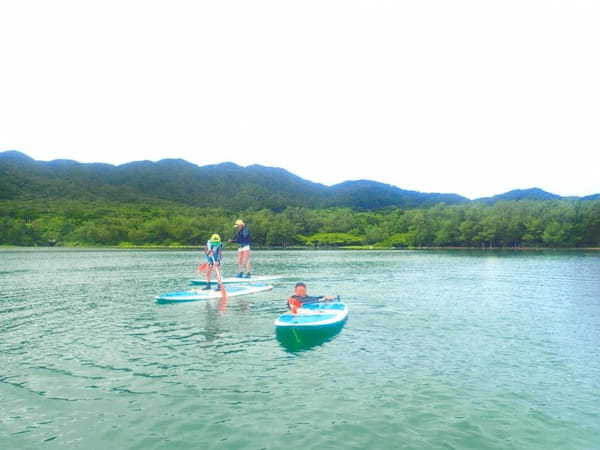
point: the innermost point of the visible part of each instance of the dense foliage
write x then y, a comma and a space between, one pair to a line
552, 223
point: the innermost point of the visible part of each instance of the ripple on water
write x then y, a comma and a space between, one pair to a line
441, 350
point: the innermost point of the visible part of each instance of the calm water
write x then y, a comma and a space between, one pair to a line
441, 350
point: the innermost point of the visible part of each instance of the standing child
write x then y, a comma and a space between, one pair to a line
214, 252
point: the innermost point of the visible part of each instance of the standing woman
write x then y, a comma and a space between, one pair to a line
242, 237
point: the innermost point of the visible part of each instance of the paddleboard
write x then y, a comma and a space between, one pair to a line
314, 315
193, 295
236, 280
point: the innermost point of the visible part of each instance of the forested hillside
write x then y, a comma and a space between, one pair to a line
554, 223
173, 202
225, 185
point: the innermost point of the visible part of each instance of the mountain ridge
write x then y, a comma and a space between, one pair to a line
226, 184
533, 193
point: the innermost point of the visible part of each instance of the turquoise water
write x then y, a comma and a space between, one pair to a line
441, 350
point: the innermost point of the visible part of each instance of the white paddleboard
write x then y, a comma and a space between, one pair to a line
193, 295
236, 280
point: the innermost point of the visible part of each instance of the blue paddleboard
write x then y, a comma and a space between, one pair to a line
314, 315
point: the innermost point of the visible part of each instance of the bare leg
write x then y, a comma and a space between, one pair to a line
218, 272
208, 275
247, 262
240, 261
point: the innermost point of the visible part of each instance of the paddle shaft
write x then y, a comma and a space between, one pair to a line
219, 279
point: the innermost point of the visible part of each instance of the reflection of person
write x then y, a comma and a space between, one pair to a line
301, 297
242, 237
214, 253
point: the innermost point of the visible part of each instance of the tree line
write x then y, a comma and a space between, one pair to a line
552, 223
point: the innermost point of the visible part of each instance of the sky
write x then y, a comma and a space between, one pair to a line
472, 97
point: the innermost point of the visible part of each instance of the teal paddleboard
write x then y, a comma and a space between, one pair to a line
314, 315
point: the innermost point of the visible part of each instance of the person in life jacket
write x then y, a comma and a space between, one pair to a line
242, 237
301, 297
214, 253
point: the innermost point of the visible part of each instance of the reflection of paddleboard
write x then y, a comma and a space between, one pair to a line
236, 280
193, 295
313, 316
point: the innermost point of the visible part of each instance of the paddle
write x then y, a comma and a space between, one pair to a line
202, 268
220, 281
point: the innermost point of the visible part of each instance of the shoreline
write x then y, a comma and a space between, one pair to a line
301, 248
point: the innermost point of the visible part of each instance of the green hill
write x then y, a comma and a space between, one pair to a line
224, 185
520, 194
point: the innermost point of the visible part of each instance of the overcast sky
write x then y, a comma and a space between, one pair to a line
473, 97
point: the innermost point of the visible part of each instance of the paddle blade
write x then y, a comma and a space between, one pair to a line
203, 268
